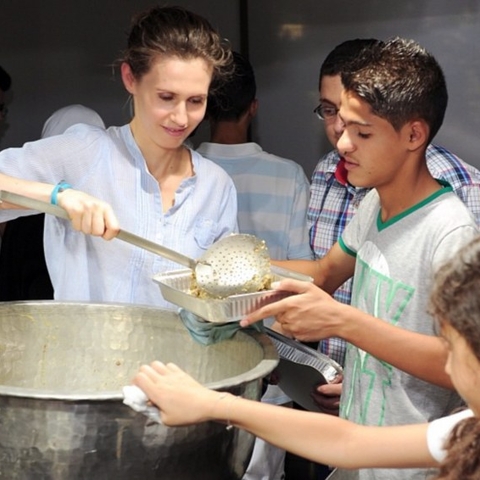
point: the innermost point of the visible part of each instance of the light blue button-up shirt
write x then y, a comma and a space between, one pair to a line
109, 165
273, 194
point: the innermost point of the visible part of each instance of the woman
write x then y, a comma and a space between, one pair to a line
158, 188
453, 443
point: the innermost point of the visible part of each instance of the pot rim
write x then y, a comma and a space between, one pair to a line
263, 368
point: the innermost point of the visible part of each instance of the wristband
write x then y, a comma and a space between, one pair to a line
58, 188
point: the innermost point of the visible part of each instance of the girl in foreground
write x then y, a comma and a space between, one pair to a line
452, 443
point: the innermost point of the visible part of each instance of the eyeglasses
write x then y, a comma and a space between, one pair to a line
3, 110
326, 112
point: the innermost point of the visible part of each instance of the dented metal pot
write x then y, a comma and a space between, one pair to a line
62, 367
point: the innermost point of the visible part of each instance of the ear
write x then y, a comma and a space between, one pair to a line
417, 132
128, 78
253, 108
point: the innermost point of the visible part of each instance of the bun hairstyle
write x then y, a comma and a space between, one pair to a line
174, 32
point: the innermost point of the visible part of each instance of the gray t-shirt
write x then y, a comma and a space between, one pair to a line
395, 263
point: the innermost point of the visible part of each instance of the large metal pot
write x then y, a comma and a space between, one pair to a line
62, 366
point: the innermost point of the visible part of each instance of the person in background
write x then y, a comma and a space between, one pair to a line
5, 84
450, 443
273, 196
273, 192
23, 271
334, 200
392, 105
139, 175
63, 118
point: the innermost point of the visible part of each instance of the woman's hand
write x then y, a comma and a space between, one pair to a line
89, 214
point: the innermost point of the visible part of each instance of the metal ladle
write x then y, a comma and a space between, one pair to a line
235, 264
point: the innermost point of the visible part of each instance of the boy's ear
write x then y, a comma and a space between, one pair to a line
418, 132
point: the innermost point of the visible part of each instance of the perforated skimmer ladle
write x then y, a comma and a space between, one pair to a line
234, 265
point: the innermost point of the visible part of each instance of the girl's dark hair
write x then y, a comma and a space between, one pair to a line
174, 32
455, 301
463, 457
455, 298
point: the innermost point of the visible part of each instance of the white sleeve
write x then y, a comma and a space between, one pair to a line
439, 431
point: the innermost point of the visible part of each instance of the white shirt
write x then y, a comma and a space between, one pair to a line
439, 430
273, 194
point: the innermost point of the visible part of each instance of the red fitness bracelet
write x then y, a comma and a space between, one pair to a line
59, 188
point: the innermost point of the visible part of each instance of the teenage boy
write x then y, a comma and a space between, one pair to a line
392, 105
334, 200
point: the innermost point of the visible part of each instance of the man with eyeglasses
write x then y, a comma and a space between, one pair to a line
5, 83
334, 201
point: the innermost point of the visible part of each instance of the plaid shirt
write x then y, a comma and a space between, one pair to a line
332, 205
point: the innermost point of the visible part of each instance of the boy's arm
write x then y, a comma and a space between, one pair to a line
329, 272
313, 314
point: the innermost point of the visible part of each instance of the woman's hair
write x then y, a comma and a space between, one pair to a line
174, 32
455, 301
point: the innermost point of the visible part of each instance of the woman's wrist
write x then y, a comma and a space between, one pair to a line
60, 187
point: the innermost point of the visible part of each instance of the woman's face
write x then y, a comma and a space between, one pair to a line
463, 367
169, 101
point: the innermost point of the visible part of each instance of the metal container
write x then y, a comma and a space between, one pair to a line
176, 288
302, 369
62, 367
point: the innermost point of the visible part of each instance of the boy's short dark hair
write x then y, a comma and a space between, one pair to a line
5, 80
400, 81
231, 98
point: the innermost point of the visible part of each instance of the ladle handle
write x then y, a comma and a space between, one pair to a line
156, 248
128, 237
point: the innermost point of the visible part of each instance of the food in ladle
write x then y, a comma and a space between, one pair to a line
235, 265
196, 291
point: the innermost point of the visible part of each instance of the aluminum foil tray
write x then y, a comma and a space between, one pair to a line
175, 288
